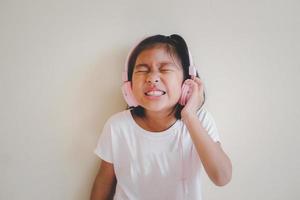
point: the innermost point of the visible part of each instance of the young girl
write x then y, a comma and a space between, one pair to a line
156, 149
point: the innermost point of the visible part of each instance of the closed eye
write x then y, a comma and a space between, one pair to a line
167, 68
141, 68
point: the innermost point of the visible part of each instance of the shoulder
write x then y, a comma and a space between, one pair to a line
205, 116
208, 123
202, 113
119, 119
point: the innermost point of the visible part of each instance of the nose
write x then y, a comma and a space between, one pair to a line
153, 78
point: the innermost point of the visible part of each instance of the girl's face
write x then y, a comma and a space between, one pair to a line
156, 80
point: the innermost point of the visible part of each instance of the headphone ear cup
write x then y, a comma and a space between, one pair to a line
128, 95
185, 94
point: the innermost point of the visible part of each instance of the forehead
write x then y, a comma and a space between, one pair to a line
158, 53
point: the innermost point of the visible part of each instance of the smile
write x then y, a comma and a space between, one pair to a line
155, 93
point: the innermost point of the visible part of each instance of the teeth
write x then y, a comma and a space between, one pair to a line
155, 93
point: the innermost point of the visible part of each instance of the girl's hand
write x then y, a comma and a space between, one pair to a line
196, 99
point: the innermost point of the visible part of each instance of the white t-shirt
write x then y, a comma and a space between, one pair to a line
153, 165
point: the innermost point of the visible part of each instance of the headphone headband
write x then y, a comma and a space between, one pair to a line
125, 72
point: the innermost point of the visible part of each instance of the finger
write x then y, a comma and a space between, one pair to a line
198, 81
191, 83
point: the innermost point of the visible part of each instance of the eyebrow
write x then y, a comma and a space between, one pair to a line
141, 65
162, 64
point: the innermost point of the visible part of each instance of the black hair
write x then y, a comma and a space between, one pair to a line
175, 45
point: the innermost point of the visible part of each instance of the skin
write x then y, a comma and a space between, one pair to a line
215, 161
156, 69
105, 182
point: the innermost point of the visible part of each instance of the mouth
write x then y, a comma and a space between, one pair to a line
155, 93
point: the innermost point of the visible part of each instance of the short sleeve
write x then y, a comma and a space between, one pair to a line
209, 124
104, 145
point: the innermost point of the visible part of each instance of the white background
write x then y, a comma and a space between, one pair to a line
60, 78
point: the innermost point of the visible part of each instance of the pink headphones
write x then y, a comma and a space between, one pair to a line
127, 90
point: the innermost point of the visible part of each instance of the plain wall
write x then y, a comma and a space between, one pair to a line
60, 78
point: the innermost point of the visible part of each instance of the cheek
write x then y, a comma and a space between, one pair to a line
177, 80
136, 83
175, 84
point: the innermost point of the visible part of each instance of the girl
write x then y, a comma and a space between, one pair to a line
156, 149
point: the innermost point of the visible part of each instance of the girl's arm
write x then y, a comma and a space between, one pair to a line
216, 163
105, 182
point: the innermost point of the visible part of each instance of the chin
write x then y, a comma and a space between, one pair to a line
158, 108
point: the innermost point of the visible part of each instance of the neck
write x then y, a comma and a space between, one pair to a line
156, 121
